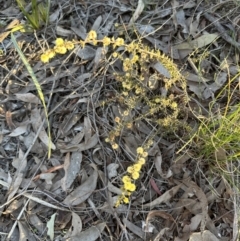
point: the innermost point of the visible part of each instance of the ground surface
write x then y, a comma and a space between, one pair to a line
71, 195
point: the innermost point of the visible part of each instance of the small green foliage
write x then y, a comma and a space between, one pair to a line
217, 138
39, 14
139, 100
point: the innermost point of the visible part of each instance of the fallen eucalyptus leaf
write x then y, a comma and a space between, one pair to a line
50, 226
81, 193
90, 234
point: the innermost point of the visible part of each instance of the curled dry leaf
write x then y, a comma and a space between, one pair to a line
76, 227
90, 234
138, 11
162, 214
158, 164
195, 221
112, 170
81, 193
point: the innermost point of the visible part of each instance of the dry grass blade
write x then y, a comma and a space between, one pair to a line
37, 85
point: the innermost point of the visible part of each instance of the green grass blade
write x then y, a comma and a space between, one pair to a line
30, 18
37, 85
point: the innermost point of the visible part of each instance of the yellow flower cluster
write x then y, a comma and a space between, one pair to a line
133, 173
61, 47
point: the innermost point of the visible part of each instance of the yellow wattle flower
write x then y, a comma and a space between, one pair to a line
59, 41
44, 58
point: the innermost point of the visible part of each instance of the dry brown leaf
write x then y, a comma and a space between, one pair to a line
71, 167
135, 229
212, 195
90, 144
24, 232
218, 83
47, 177
69, 122
205, 235
195, 221
86, 53
29, 98
100, 55
90, 234
20, 164
55, 15
80, 31
164, 198
18, 131
189, 4
63, 32
199, 42
110, 186
76, 227
14, 206
36, 121
161, 233
154, 186
156, 213
179, 19
81, 193
178, 164
195, 78
87, 129
194, 26
162, 70
112, 170
203, 201
40, 201
97, 23
36, 222
50, 226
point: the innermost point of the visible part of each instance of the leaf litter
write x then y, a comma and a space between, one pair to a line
67, 198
